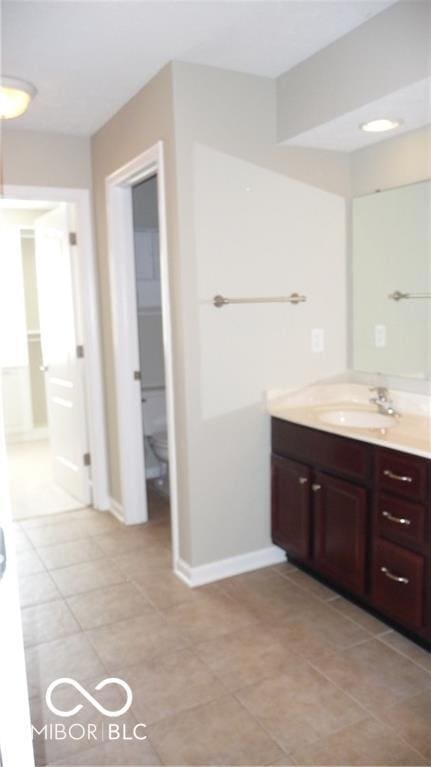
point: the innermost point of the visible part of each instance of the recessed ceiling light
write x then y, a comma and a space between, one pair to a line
15, 96
380, 125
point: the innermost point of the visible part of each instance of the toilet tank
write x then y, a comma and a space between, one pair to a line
153, 410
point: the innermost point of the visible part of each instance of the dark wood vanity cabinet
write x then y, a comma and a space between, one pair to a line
340, 527
290, 507
358, 515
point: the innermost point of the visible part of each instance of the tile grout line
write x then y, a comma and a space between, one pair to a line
400, 652
368, 711
191, 645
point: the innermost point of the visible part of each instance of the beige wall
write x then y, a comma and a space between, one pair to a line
207, 119
254, 219
388, 52
32, 158
395, 162
143, 121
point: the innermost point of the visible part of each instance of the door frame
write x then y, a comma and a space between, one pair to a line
90, 324
118, 187
16, 743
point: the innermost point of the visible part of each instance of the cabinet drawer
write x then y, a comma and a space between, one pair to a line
324, 451
398, 583
400, 519
402, 474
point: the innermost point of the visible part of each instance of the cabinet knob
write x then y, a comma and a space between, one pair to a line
302, 480
315, 487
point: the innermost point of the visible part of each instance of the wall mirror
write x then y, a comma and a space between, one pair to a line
391, 268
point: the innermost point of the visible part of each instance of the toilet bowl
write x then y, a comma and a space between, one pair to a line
153, 467
159, 443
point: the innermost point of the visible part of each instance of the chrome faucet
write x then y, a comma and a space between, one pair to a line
383, 401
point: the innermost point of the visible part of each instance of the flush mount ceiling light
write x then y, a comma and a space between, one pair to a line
15, 96
380, 126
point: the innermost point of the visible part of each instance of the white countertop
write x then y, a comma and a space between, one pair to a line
410, 434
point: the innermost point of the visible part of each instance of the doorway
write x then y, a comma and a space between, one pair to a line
150, 337
139, 180
42, 364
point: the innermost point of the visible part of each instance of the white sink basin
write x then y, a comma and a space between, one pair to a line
358, 419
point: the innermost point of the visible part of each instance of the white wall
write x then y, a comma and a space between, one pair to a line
283, 235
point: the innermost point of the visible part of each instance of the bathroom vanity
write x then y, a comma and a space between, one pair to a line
355, 510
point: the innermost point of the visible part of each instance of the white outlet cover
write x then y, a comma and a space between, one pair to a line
317, 340
380, 335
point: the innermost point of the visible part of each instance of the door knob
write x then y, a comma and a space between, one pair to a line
315, 487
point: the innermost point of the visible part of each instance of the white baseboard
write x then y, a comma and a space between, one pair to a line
116, 510
224, 568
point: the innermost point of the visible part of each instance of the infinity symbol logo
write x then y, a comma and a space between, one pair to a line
87, 696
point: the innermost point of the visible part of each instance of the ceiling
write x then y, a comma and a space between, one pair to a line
88, 57
410, 105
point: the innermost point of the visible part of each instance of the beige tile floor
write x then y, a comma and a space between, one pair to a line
32, 488
267, 668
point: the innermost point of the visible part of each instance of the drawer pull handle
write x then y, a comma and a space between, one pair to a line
398, 520
398, 477
315, 487
302, 480
392, 577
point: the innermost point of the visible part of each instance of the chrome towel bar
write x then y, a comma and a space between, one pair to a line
294, 298
397, 295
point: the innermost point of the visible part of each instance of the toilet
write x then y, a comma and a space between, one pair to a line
159, 444
155, 436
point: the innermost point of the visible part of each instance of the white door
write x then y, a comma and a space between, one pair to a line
15, 730
60, 335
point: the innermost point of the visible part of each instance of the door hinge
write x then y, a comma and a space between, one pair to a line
73, 238
86, 459
80, 351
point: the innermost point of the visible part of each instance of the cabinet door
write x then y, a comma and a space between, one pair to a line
291, 506
340, 516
